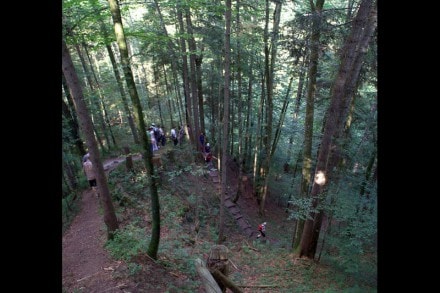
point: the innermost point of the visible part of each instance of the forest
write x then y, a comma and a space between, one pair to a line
285, 93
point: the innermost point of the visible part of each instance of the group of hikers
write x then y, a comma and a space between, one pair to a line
158, 137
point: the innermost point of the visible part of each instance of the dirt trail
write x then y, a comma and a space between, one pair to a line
86, 265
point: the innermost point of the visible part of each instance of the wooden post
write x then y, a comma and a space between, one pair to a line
157, 162
128, 159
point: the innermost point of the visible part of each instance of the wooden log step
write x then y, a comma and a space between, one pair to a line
234, 210
213, 173
229, 204
238, 217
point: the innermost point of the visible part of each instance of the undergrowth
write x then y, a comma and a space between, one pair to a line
189, 228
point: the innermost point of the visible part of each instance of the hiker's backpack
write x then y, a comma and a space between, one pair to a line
156, 132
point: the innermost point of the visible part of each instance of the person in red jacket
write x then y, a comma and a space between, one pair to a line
262, 230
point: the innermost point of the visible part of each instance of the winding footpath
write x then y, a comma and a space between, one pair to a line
86, 265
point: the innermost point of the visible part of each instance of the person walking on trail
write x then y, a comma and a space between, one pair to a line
174, 136
208, 160
153, 140
207, 148
262, 230
89, 170
162, 138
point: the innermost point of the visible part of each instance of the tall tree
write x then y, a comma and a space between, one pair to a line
86, 126
139, 118
352, 55
316, 9
103, 108
72, 119
225, 117
185, 74
195, 127
270, 51
239, 106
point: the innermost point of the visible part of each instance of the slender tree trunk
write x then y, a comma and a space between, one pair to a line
123, 95
282, 116
240, 107
195, 127
310, 108
249, 118
198, 61
186, 82
225, 119
139, 118
96, 105
173, 60
101, 99
168, 95
270, 60
299, 95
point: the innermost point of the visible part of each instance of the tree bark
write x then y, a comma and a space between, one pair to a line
185, 77
139, 118
225, 281
225, 119
308, 127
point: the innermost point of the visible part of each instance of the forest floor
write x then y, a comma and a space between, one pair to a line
87, 266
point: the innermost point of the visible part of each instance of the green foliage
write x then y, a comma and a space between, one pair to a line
351, 245
128, 242
302, 208
134, 268
181, 259
69, 209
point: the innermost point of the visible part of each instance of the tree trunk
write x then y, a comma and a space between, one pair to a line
248, 139
128, 159
72, 120
308, 127
225, 119
186, 82
139, 118
341, 94
173, 59
270, 60
103, 109
86, 126
195, 116
240, 107
123, 96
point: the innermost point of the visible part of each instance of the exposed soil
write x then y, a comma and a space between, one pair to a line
87, 266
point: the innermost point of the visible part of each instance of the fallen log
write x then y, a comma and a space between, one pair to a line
208, 281
225, 281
